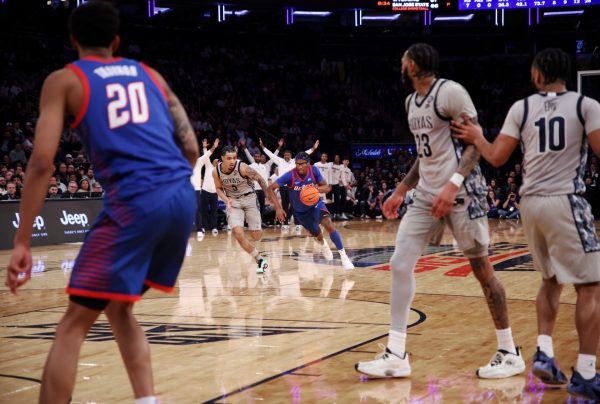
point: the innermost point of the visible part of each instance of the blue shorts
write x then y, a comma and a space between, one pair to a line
311, 218
115, 262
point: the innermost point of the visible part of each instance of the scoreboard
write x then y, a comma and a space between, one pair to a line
514, 4
410, 5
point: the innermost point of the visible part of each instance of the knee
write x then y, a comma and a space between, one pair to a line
400, 267
118, 310
256, 235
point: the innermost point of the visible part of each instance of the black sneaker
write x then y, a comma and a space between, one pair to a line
588, 388
546, 369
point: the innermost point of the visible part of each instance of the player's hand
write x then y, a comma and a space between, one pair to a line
215, 144
444, 200
391, 205
280, 214
467, 131
18, 271
260, 143
280, 143
316, 146
228, 206
204, 144
243, 143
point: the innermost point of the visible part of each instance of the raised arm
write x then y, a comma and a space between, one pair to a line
250, 173
246, 151
312, 149
183, 128
276, 159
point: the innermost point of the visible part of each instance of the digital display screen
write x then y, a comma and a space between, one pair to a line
409, 5
496, 4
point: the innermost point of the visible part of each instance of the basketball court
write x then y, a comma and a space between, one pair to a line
227, 335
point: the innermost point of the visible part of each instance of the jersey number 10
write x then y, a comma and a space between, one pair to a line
127, 104
552, 135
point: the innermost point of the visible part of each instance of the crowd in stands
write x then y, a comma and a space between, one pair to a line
248, 91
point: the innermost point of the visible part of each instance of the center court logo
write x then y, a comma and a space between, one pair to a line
74, 218
38, 222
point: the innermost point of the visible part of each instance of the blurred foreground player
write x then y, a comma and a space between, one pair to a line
126, 116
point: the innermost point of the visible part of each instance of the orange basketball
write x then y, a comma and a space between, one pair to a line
309, 195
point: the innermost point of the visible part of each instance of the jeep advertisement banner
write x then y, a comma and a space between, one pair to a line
60, 221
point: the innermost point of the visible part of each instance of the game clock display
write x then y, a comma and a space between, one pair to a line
408, 5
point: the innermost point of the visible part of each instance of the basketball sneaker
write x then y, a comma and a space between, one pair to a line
298, 229
200, 235
326, 251
503, 364
346, 263
588, 388
285, 228
386, 364
261, 266
215, 232
546, 369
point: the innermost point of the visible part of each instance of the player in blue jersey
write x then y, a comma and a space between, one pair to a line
310, 217
130, 123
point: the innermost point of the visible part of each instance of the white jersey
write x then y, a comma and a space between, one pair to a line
347, 175
439, 153
234, 184
326, 170
336, 173
552, 129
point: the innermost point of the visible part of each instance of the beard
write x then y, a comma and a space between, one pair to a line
406, 81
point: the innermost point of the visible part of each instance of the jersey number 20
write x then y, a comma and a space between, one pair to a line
127, 104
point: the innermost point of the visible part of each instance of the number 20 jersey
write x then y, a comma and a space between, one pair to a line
126, 128
552, 129
439, 153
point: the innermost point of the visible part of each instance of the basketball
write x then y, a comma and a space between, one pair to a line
309, 195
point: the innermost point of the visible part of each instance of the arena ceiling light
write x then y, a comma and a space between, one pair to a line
562, 13
454, 18
391, 17
312, 13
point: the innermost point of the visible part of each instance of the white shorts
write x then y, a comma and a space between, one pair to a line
472, 235
245, 209
562, 237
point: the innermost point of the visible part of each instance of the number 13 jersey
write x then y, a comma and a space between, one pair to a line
439, 153
552, 129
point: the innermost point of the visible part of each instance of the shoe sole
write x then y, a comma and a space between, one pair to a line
388, 374
505, 376
546, 377
578, 394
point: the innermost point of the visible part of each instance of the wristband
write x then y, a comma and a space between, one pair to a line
457, 179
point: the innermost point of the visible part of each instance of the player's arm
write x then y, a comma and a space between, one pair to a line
252, 174
246, 151
323, 186
496, 153
392, 204
312, 149
220, 190
276, 159
594, 141
48, 131
184, 132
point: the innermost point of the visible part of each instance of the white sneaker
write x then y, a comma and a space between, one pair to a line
285, 228
343, 216
200, 235
346, 263
298, 229
503, 364
326, 251
215, 232
386, 364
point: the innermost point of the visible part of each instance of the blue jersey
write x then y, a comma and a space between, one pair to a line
295, 183
126, 128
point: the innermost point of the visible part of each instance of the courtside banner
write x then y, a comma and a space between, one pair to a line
60, 221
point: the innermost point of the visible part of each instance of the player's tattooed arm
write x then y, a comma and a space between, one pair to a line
468, 160
323, 187
184, 133
412, 178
